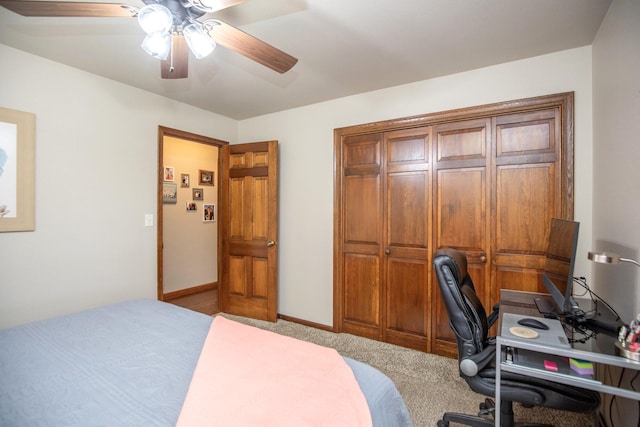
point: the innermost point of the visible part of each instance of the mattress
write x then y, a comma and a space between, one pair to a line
126, 364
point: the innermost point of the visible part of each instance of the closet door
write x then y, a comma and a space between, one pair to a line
359, 266
486, 180
462, 205
407, 224
529, 190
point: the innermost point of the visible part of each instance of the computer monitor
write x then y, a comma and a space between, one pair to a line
559, 264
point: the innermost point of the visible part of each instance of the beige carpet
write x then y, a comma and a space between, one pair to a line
429, 384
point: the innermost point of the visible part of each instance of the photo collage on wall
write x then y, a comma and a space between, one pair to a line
170, 191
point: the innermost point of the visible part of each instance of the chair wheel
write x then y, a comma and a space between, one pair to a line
487, 407
442, 423
487, 404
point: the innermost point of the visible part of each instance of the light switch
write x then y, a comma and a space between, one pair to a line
148, 220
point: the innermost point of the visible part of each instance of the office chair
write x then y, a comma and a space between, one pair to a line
476, 353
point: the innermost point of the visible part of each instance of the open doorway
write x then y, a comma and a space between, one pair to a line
188, 225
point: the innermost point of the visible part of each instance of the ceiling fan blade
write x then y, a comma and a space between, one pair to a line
176, 66
73, 9
251, 47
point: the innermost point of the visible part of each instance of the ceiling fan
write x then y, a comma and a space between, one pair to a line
172, 28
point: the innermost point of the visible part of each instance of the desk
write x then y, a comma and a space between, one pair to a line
599, 350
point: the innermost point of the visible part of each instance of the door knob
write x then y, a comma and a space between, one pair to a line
270, 243
387, 251
483, 259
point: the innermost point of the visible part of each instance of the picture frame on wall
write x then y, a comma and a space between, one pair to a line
168, 173
205, 177
208, 213
192, 207
197, 194
17, 170
184, 180
169, 193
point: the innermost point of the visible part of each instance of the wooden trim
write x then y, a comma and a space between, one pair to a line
488, 110
306, 323
169, 296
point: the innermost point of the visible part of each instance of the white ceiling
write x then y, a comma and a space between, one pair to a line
344, 47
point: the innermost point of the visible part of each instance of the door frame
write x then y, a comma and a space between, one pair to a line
223, 147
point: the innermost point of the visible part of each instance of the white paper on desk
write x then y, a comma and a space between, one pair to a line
554, 336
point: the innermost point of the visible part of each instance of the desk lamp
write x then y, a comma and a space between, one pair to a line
610, 258
627, 344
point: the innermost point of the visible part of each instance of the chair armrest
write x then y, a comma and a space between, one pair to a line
491, 318
470, 366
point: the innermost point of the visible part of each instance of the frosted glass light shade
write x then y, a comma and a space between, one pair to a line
200, 44
155, 18
157, 45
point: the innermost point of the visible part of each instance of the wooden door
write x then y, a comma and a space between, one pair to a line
530, 174
384, 264
498, 186
494, 176
359, 267
250, 257
407, 221
462, 152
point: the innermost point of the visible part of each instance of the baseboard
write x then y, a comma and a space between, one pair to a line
306, 323
190, 291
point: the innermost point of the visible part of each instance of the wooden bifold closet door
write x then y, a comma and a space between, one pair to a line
486, 180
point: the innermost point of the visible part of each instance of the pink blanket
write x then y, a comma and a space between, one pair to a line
250, 377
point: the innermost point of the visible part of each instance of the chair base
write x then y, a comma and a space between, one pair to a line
477, 421
506, 417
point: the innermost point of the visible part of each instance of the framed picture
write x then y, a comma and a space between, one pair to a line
184, 180
17, 170
197, 193
169, 193
209, 213
192, 207
206, 177
168, 173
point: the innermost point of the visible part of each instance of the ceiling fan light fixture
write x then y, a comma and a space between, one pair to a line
199, 43
155, 18
157, 45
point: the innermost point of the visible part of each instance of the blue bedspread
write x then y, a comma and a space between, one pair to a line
126, 364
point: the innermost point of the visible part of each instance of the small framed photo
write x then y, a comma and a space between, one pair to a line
169, 192
209, 213
192, 207
184, 180
197, 193
206, 177
168, 173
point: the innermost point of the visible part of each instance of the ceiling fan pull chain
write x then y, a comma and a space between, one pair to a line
171, 67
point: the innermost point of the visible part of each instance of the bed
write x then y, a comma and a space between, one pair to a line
126, 364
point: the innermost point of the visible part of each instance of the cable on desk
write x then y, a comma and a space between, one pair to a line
583, 282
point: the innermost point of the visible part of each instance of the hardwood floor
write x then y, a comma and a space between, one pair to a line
204, 302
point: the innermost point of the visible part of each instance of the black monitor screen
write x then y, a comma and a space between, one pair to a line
559, 263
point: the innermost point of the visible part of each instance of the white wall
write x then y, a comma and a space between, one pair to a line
96, 154
96, 163
616, 188
306, 163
